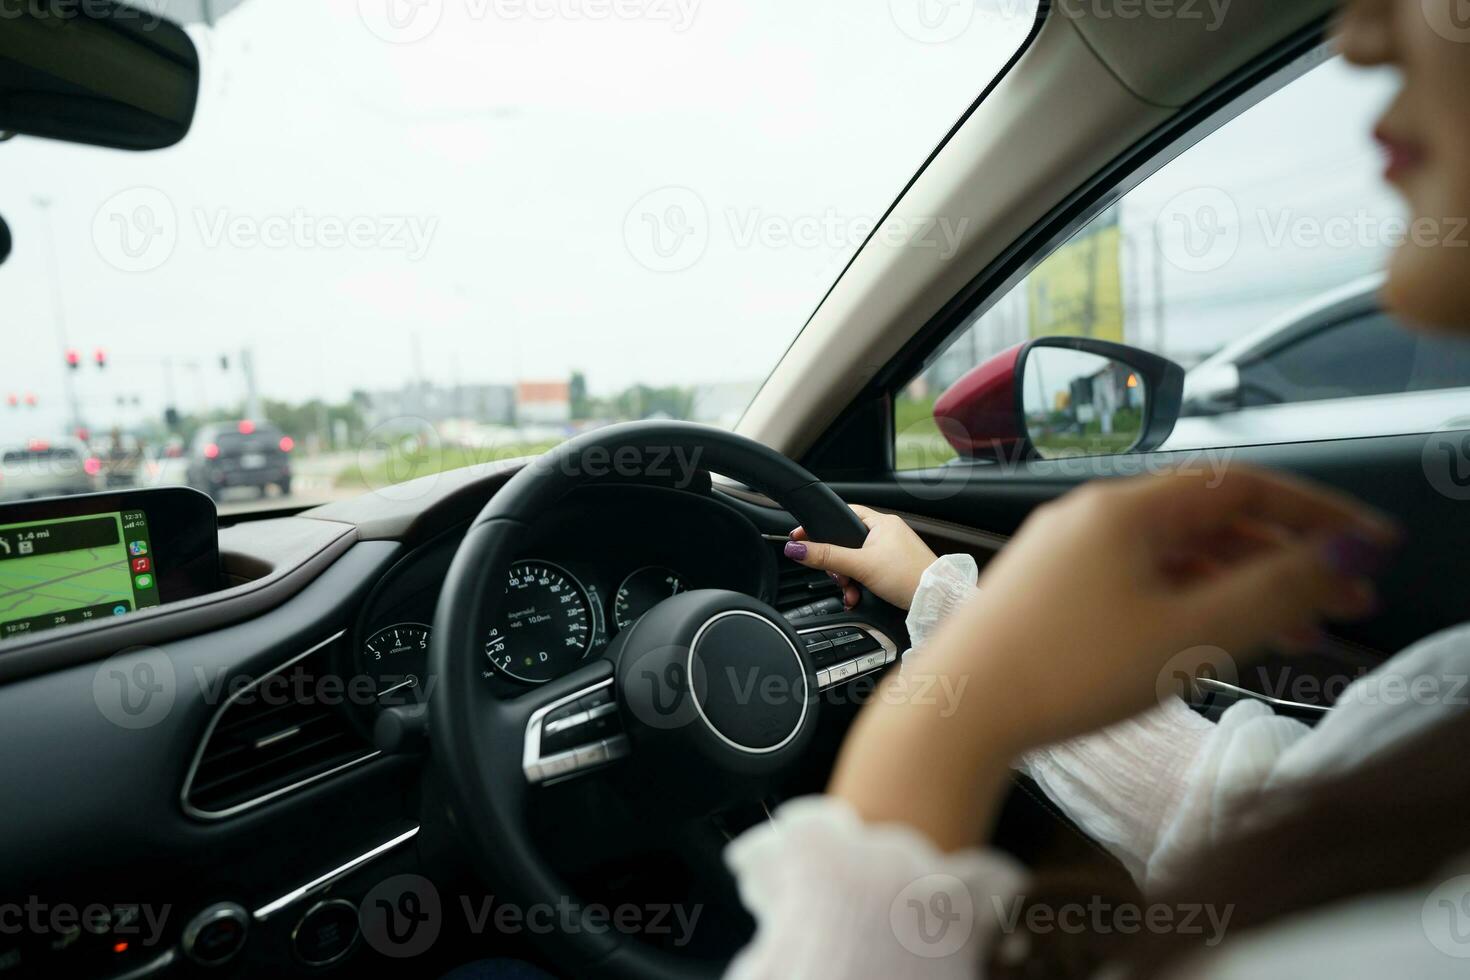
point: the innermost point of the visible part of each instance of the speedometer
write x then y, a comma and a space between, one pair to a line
546, 626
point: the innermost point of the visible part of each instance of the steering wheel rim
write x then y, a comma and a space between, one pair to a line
483, 780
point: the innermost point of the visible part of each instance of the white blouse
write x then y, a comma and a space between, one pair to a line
834, 897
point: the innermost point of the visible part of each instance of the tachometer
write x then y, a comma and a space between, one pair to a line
546, 627
642, 590
397, 658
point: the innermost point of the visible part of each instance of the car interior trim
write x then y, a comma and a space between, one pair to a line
320, 882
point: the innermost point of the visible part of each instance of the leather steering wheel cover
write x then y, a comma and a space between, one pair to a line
480, 775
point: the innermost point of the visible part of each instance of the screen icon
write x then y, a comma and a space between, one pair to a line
119, 610
143, 581
142, 564
137, 547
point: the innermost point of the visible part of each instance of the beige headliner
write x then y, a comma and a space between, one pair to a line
1088, 87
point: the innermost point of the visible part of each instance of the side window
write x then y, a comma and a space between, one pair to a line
1372, 354
1252, 260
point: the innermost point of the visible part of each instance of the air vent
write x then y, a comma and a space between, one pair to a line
272, 737
797, 585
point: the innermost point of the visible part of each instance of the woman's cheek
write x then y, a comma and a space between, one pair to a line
1429, 275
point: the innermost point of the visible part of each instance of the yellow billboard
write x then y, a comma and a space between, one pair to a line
1078, 290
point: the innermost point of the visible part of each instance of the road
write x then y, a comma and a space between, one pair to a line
313, 482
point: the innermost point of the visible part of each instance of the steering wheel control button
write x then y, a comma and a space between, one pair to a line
555, 725
326, 933
596, 700
592, 755
215, 935
569, 735
842, 653
617, 747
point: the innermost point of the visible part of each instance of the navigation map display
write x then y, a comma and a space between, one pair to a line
74, 570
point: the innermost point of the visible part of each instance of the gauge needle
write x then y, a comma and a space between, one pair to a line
410, 681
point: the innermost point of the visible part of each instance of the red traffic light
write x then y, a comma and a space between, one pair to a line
31, 399
100, 356
73, 359
12, 400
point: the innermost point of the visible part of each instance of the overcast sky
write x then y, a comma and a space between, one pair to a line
494, 163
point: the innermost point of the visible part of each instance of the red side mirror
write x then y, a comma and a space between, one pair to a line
980, 414
1124, 400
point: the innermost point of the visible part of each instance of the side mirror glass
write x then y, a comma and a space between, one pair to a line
1081, 404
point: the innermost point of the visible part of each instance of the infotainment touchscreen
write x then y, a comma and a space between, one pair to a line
75, 569
94, 559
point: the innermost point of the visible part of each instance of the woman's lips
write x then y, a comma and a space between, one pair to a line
1404, 156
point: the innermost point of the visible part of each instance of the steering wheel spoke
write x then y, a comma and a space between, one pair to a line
574, 731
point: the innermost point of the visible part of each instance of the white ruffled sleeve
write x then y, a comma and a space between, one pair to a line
834, 897
945, 586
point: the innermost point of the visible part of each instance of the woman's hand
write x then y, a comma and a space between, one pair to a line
890, 562
1080, 615
1098, 591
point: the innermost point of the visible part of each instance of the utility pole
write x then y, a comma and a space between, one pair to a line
58, 315
252, 395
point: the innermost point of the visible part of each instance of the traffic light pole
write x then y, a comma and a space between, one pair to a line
58, 315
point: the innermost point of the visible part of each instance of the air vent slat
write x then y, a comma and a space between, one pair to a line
272, 737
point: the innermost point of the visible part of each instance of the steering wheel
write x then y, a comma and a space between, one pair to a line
679, 681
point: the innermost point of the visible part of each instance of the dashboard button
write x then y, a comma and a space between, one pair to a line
617, 746
843, 671
326, 933
558, 765
814, 642
871, 662
214, 936
824, 677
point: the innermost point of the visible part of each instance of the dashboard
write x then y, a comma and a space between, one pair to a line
254, 783
607, 555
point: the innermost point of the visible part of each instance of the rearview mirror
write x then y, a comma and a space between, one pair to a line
97, 72
1062, 396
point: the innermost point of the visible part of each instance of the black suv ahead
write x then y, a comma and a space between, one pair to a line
240, 454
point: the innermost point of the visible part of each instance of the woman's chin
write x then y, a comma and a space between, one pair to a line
1426, 286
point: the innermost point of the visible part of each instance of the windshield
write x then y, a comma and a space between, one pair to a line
415, 236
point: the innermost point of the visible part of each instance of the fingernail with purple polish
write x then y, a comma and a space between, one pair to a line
1354, 556
795, 550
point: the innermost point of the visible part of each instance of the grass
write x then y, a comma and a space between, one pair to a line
918, 443
404, 462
